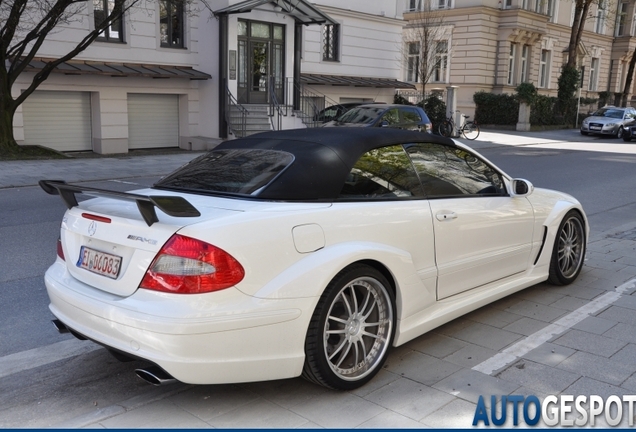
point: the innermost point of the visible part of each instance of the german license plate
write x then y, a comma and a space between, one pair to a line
595, 127
102, 263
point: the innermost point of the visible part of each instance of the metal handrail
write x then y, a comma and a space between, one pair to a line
237, 128
274, 105
311, 103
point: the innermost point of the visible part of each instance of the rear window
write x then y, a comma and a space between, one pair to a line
361, 115
237, 171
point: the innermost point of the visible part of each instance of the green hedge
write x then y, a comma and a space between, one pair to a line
503, 109
496, 109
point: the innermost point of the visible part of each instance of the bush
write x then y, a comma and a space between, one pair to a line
542, 111
496, 109
401, 100
435, 109
526, 92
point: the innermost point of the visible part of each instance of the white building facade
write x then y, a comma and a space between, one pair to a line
166, 77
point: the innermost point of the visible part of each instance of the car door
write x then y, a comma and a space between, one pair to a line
410, 119
481, 233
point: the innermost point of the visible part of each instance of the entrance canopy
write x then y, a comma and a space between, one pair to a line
302, 11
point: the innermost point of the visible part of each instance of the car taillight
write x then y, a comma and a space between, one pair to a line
60, 251
189, 266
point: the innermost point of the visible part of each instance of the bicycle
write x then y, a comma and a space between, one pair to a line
470, 129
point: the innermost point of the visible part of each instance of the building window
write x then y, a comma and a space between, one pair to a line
330, 41
441, 61
621, 19
523, 77
508, 4
415, 5
633, 30
593, 74
413, 62
511, 64
544, 69
171, 20
524, 4
443, 4
600, 18
101, 10
551, 9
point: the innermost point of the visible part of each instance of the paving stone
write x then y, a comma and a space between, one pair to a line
449, 329
469, 385
391, 420
160, 414
537, 376
606, 265
630, 260
589, 342
286, 393
630, 384
409, 398
383, 378
597, 367
626, 355
493, 317
526, 326
549, 354
593, 255
569, 303
456, 414
506, 302
422, 368
485, 335
541, 296
587, 386
207, 402
587, 292
536, 311
259, 414
595, 325
626, 301
471, 355
616, 313
615, 277
623, 332
436, 345
340, 409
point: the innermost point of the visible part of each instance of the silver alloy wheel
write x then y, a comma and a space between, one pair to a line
570, 247
358, 327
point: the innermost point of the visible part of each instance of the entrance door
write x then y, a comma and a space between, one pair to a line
260, 61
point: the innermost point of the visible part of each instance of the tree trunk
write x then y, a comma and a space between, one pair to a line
580, 16
628, 79
8, 146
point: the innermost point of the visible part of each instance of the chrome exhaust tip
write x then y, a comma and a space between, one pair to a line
155, 375
60, 327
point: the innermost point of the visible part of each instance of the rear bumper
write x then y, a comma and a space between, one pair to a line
213, 338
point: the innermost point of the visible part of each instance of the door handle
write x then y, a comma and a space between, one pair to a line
444, 216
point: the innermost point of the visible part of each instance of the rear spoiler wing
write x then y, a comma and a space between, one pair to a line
171, 205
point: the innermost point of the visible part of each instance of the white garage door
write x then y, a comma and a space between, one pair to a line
59, 120
153, 120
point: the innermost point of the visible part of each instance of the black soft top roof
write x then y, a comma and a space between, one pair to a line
323, 157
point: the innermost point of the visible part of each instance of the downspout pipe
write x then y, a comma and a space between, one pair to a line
223, 44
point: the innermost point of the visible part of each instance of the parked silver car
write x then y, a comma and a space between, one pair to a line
609, 120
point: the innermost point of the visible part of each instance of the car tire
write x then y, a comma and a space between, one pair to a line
584, 133
627, 136
351, 330
568, 252
620, 132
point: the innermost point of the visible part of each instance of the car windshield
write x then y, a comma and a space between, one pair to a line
238, 171
610, 112
365, 115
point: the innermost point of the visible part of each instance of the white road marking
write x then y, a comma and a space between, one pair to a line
516, 350
124, 182
25, 360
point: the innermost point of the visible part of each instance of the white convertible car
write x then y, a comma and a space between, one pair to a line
303, 252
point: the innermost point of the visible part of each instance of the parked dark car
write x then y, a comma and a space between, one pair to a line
334, 111
393, 116
609, 120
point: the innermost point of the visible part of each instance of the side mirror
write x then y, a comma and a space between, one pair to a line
521, 187
384, 123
